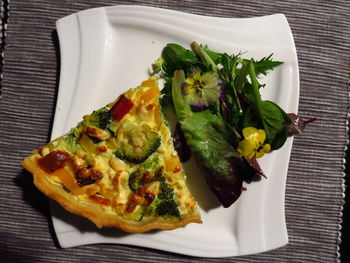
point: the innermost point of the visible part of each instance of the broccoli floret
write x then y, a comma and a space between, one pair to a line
134, 180
140, 144
150, 166
70, 141
164, 205
167, 205
99, 118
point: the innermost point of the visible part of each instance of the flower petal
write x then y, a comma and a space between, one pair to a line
262, 136
264, 149
246, 149
197, 99
267, 148
255, 136
248, 131
188, 87
251, 134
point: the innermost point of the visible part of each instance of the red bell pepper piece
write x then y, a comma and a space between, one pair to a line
53, 161
121, 108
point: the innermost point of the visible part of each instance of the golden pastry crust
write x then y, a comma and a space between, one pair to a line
93, 211
107, 197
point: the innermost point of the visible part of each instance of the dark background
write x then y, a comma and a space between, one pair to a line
314, 191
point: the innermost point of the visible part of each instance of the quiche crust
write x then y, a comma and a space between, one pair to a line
95, 212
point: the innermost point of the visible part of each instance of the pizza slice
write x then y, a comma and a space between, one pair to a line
118, 167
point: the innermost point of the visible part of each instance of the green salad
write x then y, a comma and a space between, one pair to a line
222, 118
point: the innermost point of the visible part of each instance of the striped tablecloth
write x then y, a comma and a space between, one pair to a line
314, 194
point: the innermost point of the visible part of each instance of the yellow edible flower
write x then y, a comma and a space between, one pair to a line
253, 143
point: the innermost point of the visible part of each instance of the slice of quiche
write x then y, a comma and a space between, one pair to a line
118, 167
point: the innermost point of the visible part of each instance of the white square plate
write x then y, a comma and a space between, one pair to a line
106, 51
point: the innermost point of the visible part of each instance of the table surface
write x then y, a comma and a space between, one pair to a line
315, 183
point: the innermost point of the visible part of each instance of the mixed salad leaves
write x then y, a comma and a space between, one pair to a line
222, 118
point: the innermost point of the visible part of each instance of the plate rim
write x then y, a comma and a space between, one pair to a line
63, 22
